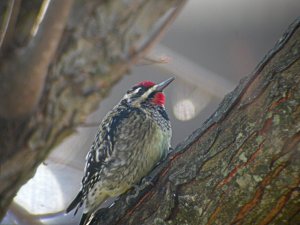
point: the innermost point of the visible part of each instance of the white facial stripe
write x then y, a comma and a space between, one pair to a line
147, 93
137, 101
126, 96
129, 95
136, 90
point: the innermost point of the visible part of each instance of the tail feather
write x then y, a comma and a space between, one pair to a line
85, 219
75, 202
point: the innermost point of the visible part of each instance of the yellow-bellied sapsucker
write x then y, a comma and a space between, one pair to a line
131, 140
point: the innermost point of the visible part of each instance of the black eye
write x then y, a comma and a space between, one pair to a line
131, 90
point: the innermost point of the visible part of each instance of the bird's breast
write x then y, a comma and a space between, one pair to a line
135, 157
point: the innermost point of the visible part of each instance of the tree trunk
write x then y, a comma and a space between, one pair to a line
242, 166
44, 92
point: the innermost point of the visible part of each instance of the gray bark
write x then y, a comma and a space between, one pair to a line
47, 98
242, 166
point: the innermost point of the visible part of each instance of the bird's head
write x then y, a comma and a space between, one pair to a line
147, 92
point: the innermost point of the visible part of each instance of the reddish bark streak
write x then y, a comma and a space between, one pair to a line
165, 171
291, 143
266, 126
175, 156
232, 173
278, 207
278, 102
264, 130
257, 196
148, 194
214, 215
255, 154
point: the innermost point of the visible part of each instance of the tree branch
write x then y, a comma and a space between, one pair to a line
146, 46
9, 20
241, 166
94, 52
26, 71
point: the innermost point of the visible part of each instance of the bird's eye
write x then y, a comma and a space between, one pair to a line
132, 90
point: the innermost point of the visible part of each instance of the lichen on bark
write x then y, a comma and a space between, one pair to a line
242, 165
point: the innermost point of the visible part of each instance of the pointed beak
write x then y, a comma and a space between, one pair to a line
161, 86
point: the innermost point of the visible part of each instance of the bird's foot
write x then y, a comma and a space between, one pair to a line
134, 195
146, 181
171, 149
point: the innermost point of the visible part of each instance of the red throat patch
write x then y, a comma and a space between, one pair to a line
159, 99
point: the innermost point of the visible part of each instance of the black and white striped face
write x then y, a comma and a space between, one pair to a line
147, 91
138, 94
135, 93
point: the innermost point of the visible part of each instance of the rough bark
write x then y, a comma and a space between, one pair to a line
100, 42
25, 70
242, 166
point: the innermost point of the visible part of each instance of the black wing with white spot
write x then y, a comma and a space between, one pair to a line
102, 147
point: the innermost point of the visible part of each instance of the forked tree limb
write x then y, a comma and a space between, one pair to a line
101, 41
242, 166
23, 73
9, 17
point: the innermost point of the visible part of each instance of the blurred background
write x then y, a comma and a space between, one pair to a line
208, 49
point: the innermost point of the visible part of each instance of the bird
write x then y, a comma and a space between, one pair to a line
132, 138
